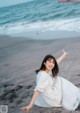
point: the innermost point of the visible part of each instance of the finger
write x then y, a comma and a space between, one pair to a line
23, 109
27, 111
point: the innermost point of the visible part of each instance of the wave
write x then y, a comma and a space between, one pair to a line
43, 26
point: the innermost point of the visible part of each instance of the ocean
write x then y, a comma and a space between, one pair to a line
39, 16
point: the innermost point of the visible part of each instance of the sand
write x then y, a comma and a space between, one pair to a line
20, 57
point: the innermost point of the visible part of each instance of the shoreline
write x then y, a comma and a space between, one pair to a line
44, 35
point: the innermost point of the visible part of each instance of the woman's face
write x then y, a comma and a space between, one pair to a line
50, 63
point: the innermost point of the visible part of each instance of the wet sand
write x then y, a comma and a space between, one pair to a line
20, 57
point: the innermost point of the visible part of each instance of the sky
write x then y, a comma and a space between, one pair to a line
4, 3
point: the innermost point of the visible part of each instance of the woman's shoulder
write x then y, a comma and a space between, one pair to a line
42, 73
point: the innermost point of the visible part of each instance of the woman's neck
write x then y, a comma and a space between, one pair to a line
47, 71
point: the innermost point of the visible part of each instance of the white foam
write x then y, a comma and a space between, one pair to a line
55, 25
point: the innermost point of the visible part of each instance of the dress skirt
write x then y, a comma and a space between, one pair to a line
56, 92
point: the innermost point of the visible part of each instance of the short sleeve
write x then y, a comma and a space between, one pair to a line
41, 82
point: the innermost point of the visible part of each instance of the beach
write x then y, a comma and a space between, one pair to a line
20, 57
28, 32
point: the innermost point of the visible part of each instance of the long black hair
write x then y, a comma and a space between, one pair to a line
55, 70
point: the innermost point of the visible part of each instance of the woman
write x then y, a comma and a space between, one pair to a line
52, 90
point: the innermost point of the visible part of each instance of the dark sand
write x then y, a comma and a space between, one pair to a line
20, 57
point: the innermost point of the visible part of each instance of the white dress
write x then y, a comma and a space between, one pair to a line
56, 92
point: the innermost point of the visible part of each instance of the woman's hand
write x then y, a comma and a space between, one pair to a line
26, 108
62, 56
64, 52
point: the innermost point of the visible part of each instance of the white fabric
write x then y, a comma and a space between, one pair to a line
56, 92
71, 95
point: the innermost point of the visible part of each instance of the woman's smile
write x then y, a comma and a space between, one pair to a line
49, 65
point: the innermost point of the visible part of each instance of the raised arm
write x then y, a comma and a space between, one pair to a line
62, 56
28, 107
